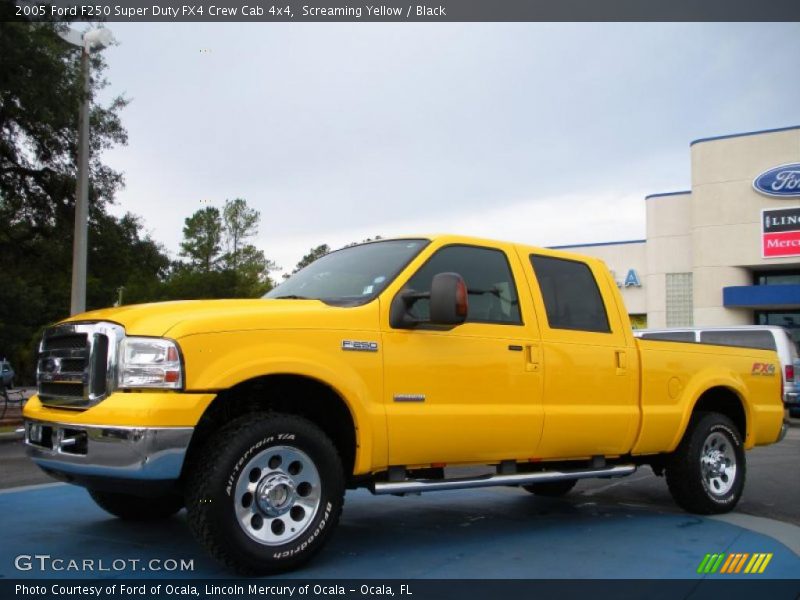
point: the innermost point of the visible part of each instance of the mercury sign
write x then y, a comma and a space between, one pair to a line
780, 232
781, 182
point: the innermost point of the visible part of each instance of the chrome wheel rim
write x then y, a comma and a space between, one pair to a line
718, 464
278, 493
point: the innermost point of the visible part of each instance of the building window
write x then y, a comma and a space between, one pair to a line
680, 307
777, 277
638, 321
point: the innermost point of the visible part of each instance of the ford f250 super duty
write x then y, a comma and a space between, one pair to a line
387, 365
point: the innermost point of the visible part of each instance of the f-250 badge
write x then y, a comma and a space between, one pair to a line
359, 346
763, 369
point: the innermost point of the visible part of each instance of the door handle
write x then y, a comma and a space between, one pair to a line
532, 362
621, 357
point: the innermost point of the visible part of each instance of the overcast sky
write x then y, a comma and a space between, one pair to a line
538, 133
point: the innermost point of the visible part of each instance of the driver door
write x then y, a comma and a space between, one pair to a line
470, 393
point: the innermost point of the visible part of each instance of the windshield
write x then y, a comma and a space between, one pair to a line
352, 275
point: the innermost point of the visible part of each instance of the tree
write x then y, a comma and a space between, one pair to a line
312, 255
202, 239
239, 223
40, 97
241, 272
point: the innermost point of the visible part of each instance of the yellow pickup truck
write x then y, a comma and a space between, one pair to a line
388, 365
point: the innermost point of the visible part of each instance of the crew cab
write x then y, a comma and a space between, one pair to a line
388, 365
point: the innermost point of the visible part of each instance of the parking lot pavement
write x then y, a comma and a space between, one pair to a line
494, 533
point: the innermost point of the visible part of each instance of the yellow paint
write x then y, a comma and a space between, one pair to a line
560, 395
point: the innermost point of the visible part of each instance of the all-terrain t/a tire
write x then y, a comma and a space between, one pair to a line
551, 489
706, 473
265, 493
137, 508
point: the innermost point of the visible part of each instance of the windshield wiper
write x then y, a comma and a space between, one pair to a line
292, 297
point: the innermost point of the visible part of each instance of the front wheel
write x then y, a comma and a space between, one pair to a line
706, 472
266, 493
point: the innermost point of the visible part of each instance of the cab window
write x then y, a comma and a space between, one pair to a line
570, 293
492, 294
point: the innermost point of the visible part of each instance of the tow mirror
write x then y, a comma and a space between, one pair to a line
447, 302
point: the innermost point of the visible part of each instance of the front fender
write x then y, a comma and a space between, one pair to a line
219, 361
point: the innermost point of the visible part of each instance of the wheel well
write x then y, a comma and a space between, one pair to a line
288, 394
726, 402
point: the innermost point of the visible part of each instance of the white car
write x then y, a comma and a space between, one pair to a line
768, 337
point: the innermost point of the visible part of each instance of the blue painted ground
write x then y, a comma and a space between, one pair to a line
494, 533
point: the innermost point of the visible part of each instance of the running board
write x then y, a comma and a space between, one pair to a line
413, 486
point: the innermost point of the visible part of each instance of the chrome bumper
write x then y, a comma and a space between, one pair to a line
140, 453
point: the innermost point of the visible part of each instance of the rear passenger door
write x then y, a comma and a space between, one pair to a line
590, 363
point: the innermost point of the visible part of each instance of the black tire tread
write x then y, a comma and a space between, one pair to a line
682, 474
205, 470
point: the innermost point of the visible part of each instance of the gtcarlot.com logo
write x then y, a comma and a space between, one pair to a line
732, 563
47, 563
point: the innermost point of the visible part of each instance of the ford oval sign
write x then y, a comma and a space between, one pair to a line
783, 181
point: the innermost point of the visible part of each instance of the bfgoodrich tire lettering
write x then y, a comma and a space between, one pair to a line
266, 493
706, 473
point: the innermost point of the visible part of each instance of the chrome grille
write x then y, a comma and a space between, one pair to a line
77, 363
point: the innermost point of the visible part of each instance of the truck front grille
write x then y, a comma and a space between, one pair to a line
77, 364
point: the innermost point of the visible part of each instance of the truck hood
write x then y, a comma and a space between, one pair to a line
188, 317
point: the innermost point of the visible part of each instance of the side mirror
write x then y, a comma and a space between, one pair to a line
448, 303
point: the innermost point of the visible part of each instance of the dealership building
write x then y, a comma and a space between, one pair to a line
726, 251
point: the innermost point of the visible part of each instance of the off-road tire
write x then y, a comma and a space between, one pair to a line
551, 489
217, 505
137, 508
689, 486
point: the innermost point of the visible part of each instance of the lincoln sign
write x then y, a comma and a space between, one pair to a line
780, 232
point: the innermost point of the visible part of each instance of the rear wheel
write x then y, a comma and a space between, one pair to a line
137, 508
266, 493
706, 472
551, 489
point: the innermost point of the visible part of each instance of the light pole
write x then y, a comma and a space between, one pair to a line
94, 39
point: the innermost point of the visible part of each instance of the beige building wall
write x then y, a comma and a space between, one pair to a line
669, 249
726, 216
707, 238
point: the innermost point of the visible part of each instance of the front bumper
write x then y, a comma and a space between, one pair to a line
85, 453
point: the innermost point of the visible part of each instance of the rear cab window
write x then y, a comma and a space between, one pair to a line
570, 294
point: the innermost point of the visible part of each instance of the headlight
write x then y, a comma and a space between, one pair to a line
150, 363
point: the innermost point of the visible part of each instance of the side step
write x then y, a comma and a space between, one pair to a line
413, 486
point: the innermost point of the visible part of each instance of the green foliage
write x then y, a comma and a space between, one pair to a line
202, 239
312, 255
40, 96
242, 271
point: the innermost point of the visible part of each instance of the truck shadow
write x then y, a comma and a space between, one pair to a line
493, 533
